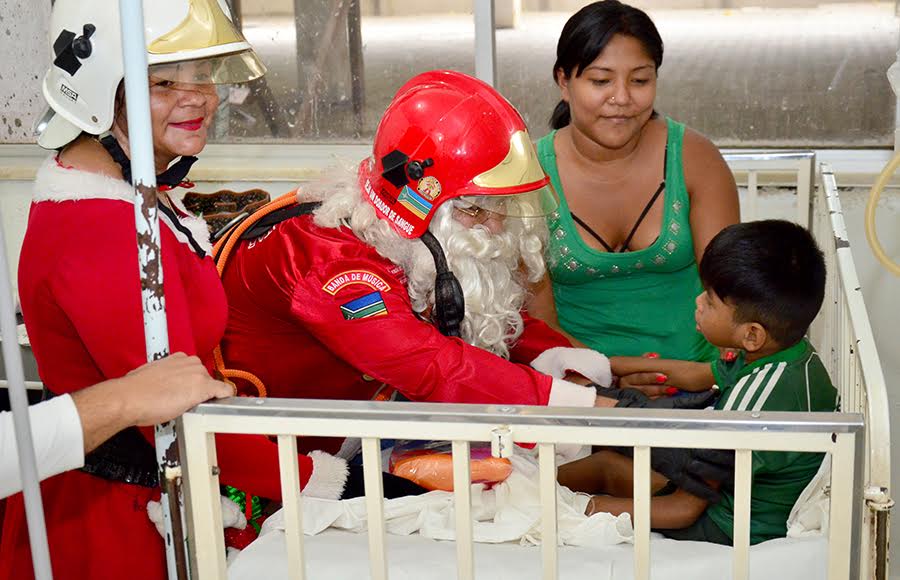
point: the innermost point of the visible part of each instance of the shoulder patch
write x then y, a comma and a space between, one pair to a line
367, 306
354, 278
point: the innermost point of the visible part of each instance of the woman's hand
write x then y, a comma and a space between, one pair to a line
153, 393
656, 377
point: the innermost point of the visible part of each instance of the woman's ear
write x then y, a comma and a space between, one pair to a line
562, 80
120, 119
754, 336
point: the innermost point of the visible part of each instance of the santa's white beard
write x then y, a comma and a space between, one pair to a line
493, 269
488, 269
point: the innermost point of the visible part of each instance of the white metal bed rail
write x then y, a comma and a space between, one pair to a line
836, 433
843, 337
755, 163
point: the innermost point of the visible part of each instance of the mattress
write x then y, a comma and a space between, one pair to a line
336, 555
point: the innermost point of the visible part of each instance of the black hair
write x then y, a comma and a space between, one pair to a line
771, 272
587, 33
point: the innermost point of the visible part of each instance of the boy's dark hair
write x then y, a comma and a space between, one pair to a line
587, 33
771, 271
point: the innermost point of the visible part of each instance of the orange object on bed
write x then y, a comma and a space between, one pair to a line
432, 468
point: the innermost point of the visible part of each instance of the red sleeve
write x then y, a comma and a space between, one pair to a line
373, 328
536, 337
98, 287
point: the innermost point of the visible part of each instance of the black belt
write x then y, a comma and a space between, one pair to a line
126, 457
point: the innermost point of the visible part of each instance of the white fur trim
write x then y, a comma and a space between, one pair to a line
328, 477
232, 516
560, 360
55, 183
566, 394
154, 512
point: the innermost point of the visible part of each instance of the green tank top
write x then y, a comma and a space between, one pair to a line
629, 303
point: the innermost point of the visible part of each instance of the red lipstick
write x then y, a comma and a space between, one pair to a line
191, 125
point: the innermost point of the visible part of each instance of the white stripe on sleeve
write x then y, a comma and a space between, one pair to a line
754, 386
770, 386
729, 405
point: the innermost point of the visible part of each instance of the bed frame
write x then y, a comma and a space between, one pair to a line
858, 438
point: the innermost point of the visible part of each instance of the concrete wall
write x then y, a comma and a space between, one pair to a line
22, 66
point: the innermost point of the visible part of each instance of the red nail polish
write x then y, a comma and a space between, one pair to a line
671, 391
652, 355
661, 379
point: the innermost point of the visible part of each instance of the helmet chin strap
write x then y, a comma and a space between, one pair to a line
170, 178
449, 302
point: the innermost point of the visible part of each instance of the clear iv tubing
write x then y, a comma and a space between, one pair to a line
872, 206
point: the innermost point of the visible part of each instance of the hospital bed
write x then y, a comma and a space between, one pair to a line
857, 440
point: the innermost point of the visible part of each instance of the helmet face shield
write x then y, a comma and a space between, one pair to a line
537, 203
194, 42
238, 67
54, 131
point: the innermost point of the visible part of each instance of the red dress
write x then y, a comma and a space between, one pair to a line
80, 295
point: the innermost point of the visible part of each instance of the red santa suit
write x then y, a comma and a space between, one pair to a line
80, 296
316, 313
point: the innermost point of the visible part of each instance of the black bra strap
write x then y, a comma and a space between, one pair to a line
588, 229
640, 219
647, 207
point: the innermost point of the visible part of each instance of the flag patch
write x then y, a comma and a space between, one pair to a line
411, 200
366, 306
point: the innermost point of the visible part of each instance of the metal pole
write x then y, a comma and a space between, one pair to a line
140, 138
897, 114
485, 42
18, 401
357, 74
895, 88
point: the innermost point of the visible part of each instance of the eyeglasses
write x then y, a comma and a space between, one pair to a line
473, 211
482, 211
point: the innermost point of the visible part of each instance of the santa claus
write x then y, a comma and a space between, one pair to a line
409, 274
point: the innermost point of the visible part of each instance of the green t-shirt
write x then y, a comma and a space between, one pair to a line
629, 303
793, 379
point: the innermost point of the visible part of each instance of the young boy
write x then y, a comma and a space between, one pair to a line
764, 284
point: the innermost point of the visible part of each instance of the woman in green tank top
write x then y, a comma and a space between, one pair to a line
640, 195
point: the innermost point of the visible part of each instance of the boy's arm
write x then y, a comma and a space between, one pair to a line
670, 512
638, 372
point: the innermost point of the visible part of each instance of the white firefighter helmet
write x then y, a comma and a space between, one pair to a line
188, 41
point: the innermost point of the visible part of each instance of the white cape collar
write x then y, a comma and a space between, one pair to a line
56, 183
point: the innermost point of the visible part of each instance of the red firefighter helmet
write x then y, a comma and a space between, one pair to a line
447, 135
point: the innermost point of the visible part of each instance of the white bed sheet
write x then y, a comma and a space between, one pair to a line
339, 555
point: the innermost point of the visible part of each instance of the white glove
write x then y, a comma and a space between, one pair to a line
559, 361
232, 516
